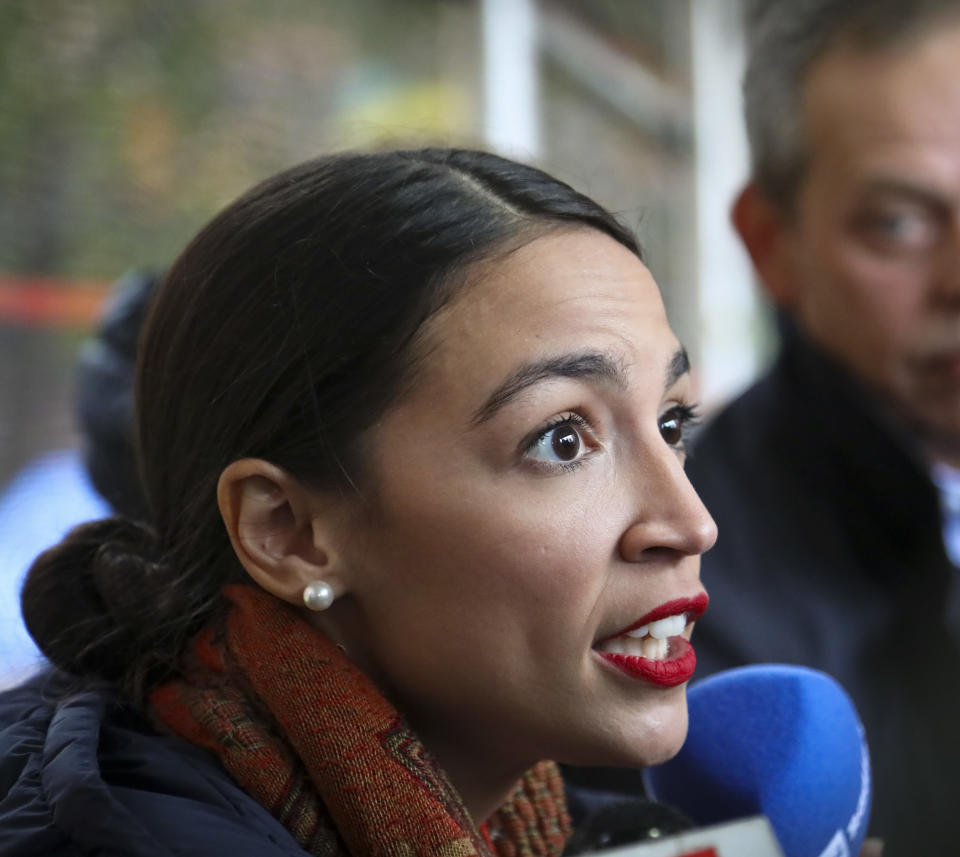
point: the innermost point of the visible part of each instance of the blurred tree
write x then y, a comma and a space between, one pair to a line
124, 125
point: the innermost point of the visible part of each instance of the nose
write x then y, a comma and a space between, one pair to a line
670, 516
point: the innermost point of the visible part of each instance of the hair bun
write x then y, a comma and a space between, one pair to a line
81, 598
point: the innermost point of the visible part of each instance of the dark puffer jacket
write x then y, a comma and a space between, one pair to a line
80, 776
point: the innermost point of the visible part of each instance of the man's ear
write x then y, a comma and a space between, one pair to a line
765, 229
278, 529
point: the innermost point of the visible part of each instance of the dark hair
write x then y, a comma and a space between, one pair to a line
282, 332
785, 38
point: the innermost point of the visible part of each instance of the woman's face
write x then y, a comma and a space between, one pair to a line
528, 506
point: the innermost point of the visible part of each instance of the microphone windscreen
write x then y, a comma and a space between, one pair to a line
781, 741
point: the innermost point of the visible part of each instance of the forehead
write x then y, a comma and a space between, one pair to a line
565, 291
867, 109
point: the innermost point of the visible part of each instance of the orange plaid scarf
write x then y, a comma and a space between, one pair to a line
307, 735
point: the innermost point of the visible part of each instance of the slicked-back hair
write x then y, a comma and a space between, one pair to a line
283, 331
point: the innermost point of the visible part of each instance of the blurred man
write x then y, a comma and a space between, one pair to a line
835, 481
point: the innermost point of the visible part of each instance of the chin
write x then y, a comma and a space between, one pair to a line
661, 729
644, 738
666, 752
663, 745
934, 410
939, 435
944, 428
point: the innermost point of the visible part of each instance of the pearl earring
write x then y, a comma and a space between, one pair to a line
318, 595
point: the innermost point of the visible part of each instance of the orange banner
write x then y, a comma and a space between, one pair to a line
49, 302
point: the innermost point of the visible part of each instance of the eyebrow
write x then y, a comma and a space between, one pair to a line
589, 364
678, 366
916, 192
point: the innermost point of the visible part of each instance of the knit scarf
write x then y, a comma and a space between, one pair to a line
306, 734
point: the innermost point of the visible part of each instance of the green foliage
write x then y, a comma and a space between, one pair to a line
124, 124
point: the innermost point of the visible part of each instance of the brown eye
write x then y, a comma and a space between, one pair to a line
565, 443
676, 423
671, 430
901, 227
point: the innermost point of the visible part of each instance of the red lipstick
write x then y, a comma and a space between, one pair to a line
681, 660
675, 669
693, 607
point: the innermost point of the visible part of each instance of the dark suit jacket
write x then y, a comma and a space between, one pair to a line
830, 555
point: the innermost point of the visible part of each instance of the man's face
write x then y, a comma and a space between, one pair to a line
872, 251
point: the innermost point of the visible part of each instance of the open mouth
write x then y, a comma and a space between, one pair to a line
651, 640
655, 648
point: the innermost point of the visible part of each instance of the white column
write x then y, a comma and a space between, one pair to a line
729, 324
510, 78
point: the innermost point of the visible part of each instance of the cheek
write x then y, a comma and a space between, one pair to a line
491, 564
477, 604
891, 290
864, 295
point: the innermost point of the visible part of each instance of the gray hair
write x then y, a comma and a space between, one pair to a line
784, 39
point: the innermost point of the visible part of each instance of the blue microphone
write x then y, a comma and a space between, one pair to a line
774, 740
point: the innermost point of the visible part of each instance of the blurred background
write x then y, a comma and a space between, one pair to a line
124, 125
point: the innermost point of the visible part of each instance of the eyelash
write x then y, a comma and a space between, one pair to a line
686, 415
570, 418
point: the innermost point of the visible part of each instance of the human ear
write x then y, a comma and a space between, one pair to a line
283, 534
764, 228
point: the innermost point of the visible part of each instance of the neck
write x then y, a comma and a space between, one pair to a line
482, 796
478, 769
478, 772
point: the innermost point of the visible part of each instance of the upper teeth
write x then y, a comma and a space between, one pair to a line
672, 626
